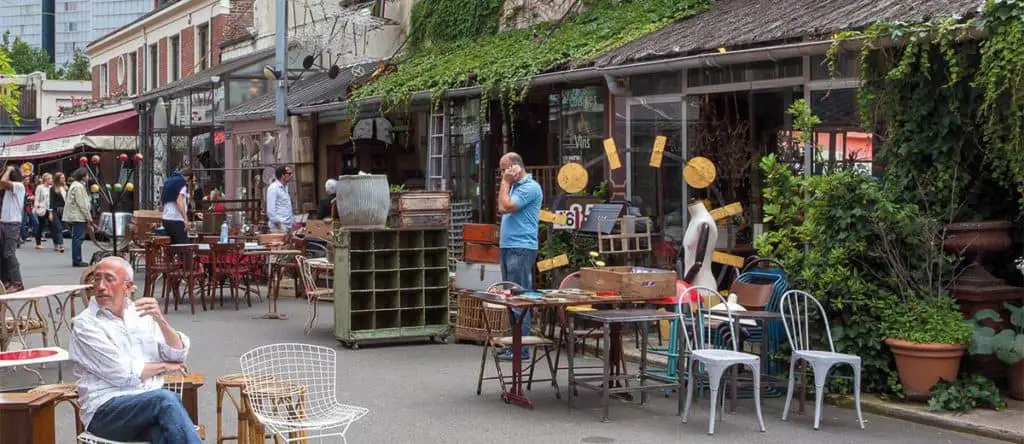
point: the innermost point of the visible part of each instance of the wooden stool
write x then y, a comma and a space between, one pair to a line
283, 396
65, 393
243, 433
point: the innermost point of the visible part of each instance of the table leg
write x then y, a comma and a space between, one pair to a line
681, 368
571, 354
643, 360
272, 293
607, 372
516, 395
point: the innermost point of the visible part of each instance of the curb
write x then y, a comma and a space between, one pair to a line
896, 410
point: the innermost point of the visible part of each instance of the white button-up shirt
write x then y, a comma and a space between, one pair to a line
279, 205
109, 355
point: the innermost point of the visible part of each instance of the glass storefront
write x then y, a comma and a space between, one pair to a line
576, 125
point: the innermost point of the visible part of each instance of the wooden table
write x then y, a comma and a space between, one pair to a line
27, 418
272, 293
550, 299
191, 382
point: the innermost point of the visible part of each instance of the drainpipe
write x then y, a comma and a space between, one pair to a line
615, 88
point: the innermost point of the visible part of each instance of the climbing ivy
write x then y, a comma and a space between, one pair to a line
446, 21
942, 97
505, 62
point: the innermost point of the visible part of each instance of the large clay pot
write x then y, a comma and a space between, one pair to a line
921, 366
1015, 380
363, 201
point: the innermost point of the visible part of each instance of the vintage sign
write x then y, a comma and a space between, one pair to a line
612, 153
659, 151
552, 263
576, 211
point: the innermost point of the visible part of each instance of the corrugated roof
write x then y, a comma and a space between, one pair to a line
196, 80
312, 89
732, 23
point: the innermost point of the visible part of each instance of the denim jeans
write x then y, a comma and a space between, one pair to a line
77, 237
157, 416
29, 222
10, 269
517, 266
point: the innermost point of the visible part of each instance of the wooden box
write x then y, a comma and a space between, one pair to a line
481, 233
421, 201
320, 229
421, 220
481, 253
629, 281
145, 222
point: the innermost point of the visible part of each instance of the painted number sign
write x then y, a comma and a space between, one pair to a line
575, 215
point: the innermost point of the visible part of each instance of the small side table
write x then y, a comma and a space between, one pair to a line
27, 418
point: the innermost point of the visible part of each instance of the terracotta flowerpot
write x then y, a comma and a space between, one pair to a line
921, 366
1015, 380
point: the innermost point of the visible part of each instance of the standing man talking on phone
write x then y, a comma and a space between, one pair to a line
519, 201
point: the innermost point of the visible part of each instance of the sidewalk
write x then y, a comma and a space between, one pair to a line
1006, 425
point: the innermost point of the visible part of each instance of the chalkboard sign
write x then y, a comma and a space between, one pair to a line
606, 211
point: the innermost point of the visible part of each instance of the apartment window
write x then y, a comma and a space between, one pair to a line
174, 58
203, 46
70, 7
153, 64
71, 27
103, 80
133, 73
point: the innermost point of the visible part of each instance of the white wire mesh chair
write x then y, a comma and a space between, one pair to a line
797, 308
715, 361
291, 389
174, 385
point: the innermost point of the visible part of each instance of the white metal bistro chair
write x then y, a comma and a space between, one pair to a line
175, 385
715, 361
292, 392
797, 308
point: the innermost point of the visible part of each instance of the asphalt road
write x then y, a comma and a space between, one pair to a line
425, 393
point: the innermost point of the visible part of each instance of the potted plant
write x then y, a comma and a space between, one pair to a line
928, 339
1007, 345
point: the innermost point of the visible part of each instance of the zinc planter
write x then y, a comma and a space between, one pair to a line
921, 366
363, 201
1015, 380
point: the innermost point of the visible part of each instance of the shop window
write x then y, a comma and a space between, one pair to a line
658, 83
243, 90
847, 65
467, 140
745, 72
577, 128
657, 192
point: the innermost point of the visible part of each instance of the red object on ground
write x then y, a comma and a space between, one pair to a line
21, 355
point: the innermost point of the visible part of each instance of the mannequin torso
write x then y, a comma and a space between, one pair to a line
699, 241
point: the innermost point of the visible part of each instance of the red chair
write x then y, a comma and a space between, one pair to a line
156, 265
226, 265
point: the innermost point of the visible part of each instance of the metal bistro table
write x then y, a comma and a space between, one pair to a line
607, 383
762, 318
63, 295
549, 298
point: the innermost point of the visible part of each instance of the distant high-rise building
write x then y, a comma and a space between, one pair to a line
77, 22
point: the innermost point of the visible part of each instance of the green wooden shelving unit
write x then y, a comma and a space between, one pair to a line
390, 285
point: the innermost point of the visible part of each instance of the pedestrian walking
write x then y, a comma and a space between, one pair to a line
12, 210
78, 212
58, 194
41, 208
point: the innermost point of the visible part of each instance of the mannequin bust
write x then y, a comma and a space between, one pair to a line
701, 232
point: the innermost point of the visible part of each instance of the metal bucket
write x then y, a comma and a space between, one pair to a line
363, 201
106, 223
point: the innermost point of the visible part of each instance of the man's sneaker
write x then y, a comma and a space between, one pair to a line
506, 355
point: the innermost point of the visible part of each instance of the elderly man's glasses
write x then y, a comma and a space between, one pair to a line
108, 279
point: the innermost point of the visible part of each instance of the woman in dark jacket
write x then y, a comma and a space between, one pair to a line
57, 194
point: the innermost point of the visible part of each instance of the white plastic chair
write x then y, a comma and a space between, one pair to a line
291, 389
176, 386
715, 361
796, 308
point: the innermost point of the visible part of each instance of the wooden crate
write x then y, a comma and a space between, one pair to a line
481, 253
420, 220
624, 237
421, 201
629, 281
145, 221
481, 233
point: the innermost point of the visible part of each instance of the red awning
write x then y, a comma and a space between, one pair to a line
96, 132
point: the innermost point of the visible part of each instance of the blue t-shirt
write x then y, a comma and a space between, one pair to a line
519, 228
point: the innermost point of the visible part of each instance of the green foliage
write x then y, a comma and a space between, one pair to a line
78, 69
1008, 344
505, 62
10, 94
803, 120
943, 98
964, 395
922, 322
1001, 76
25, 59
448, 21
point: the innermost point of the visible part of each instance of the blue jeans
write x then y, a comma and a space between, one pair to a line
158, 417
77, 237
29, 225
517, 266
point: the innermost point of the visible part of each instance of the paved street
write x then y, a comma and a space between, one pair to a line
425, 393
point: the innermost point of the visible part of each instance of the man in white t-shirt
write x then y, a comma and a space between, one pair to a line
174, 198
11, 213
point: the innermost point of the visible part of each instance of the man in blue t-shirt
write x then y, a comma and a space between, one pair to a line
519, 201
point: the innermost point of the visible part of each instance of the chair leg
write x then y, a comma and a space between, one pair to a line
756, 370
483, 362
497, 366
553, 367
715, 375
192, 296
856, 393
789, 391
820, 375
689, 391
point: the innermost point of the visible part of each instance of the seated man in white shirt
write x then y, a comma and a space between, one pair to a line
121, 350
